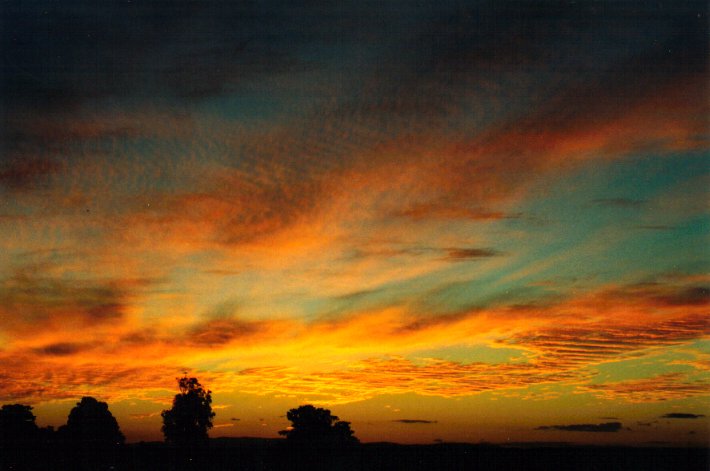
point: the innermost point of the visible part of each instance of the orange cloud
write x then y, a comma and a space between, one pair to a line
36, 300
663, 387
374, 377
349, 358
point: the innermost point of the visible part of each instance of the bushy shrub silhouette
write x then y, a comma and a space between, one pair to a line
18, 435
92, 434
316, 425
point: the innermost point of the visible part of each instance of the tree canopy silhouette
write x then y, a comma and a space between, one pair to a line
90, 422
17, 424
18, 433
188, 421
91, 435
311, 424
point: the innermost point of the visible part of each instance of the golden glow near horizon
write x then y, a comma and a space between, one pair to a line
495, 235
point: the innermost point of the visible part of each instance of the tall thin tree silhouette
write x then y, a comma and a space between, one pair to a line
186, 423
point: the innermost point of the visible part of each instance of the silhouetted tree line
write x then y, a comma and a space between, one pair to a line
92, 440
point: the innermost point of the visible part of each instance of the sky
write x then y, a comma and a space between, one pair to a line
441, 220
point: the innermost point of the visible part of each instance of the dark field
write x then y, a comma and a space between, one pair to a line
277, 454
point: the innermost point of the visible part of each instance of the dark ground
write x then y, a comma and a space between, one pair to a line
277, 454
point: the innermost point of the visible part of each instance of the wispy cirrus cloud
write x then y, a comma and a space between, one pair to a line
559, 344
430, 377
368, 184
47, 302
572, 340
46, 379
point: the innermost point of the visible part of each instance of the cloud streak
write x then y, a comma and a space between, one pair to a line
414, 421
47, 302
681, 415
671, 386
608, 427
559, 344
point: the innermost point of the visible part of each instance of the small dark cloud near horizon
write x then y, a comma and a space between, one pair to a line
537, 444
234, 419
681, 415
415, 421
607, 427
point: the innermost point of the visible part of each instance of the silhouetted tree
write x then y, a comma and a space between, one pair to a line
18, 434
17, 423
344, 433
188, 421
91, 422
316, 425
93, 433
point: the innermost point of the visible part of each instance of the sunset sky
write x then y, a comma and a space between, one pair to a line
441, 220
